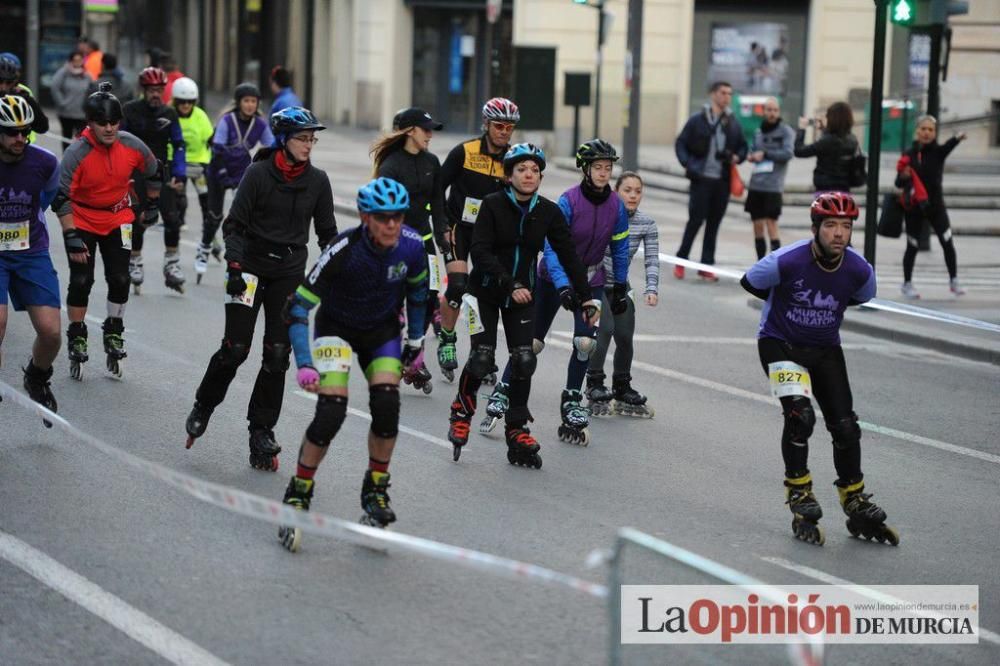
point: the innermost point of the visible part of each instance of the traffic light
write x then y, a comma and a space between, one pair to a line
902, 12
942, 9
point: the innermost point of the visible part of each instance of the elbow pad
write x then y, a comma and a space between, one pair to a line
762, 294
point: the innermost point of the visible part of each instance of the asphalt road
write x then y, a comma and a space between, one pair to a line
705, 474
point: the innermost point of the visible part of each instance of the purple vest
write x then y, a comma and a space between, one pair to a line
591, 227
234, 156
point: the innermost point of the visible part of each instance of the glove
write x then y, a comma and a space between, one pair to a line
235, 285
413, 352
568, 299
443, 245
307, 376
74, 243
619, 299
151, 215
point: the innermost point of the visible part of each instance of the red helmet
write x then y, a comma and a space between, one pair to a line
501, 108
152, 76
833, 204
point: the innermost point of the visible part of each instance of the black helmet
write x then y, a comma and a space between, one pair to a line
102, 106
246, 90
291, 120
593, 150
10, 70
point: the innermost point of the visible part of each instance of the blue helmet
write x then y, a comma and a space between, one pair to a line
10, 67
523, 151
383, 195
293, 119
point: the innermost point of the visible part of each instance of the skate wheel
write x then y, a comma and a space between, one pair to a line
46, 423
511, 458
190, 442
136, 290
537, 463
449, 375
197, 278
852, 529
407, 380
427, 388
891, 535
115, 368
371, 522
487, 425
456, 453
76, 370
291, 538
584, 438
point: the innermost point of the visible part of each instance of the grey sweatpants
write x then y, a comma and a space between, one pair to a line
621, 328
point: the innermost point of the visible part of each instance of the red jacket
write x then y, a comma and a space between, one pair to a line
168, 91
95, 181
914, 193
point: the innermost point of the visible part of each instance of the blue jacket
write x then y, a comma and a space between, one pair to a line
692, 144
285, 98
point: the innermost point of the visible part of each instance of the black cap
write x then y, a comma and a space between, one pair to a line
414, 117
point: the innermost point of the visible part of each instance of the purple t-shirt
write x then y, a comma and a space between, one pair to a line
27, 187
807, 302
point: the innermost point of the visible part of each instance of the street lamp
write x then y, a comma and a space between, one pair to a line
599, 6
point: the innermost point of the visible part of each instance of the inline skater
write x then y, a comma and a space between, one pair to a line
239, 131
29, 180
598, 222
157, 125
807, 287
641, 230
472, 170
266, 234
197, 130
512, 228
10, 84
403, 156
95, 209
358, 282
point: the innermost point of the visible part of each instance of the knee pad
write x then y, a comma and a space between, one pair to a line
457, 284
383, 402
276, 357
799, 420
481, 361
118, 286
845, 431
331, 410
584, 346
232, 354
522, 363
537, 346
80, 284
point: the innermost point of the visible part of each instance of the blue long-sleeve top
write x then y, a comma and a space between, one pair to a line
362, 287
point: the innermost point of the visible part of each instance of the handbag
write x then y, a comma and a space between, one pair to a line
736, 185
859, 171
890, 222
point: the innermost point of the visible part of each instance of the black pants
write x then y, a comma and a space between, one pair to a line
707, 201
269, 389
81, 276
518, 328
832, 389
213, 217
169, 214
937, 216
71, 128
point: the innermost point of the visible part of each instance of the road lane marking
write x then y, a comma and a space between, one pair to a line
875, 595
131, 621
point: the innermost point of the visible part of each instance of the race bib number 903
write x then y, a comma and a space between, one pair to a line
789, 378
331, 354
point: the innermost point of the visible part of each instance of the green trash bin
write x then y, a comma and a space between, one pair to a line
749, 110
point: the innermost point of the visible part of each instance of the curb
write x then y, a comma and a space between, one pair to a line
960, 349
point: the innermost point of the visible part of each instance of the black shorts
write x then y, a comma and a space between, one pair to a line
763, 204
462, 236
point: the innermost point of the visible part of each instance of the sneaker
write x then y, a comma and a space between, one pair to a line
679, 272
909, 291
955, 287
708, 276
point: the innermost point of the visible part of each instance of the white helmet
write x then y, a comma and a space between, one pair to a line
185, 89
15, 112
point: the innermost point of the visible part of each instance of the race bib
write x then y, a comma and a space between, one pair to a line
789, 378
126, 230
433, 273
331, 354
470, 307
14, 236
767, 166
470, 212
246, 298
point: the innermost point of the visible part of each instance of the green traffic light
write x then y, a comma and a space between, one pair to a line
902, 12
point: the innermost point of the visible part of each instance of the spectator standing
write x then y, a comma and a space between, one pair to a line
834, 150
70, 87
773, 146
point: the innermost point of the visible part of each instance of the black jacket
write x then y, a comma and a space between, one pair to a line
267, 228
506, 243
695, 140
928, 162
834, 155
470, 171
420, 174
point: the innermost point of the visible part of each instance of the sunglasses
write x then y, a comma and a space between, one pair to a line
106, 123
11, 131
503, 127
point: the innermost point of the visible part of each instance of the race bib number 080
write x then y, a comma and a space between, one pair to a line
14, 236
789, 378
331, 354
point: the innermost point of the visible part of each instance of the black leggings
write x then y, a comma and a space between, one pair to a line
169, 215
266, 399
937, 216
518, 327
213, 217
832, 389
81, 276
